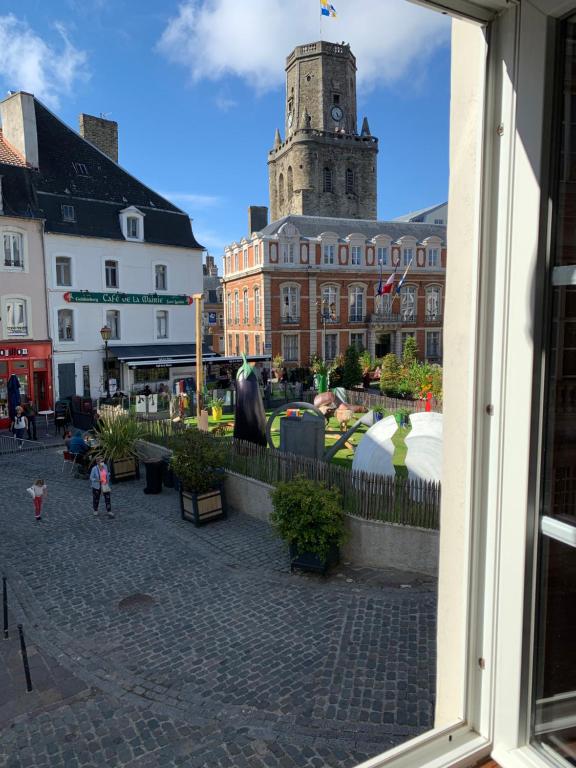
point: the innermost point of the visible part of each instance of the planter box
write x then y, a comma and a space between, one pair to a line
306, 561
124, 469
200, 508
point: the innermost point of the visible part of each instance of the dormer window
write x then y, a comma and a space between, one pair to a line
68, 213
81, 169
132, 227
132, 223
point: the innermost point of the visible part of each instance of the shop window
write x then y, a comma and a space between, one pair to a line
65, 325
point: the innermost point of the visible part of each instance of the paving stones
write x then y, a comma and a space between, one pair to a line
196, 647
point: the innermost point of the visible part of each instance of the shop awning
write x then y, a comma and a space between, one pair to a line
153, 352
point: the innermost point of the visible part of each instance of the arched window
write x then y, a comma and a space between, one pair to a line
327, 180
236, 307
281, 191
229, 307
289, 183
350, 185
356, 303
13, 250
408, 303
290, 304
256, 304
433, 303
329, 304
245, 304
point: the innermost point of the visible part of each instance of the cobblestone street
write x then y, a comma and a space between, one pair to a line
154, 643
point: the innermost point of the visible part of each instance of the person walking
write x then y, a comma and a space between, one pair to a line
100, 482
38, 491
30, 411
19, 425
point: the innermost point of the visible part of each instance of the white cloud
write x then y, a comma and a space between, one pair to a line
29, 63
250, 39
191, 200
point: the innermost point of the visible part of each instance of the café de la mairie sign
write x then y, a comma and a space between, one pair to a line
87, 297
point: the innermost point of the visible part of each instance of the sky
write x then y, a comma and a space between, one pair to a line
197, 89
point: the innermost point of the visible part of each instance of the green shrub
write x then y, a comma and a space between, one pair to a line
352, 371
197, 460
117, 435
390, 375
308, 515
410, 353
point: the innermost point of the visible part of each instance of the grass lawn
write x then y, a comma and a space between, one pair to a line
345, 455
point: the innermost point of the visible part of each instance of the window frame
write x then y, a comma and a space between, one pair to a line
114, 326
331, 260
166, 316
27, 327
13, 232
72, 315
292, 292
257, 306
294, 339
70, 268
156, 268
108, 271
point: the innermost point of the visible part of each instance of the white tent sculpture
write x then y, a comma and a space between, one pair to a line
376, 449
424, 443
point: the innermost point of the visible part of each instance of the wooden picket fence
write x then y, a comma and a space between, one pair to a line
372, 497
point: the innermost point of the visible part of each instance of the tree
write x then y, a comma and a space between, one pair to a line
390, 374
410, 354
352, 373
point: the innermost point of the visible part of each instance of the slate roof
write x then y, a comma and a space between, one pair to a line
313, 226
18, 195
97, 197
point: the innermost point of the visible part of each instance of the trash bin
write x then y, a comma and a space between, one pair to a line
154, 469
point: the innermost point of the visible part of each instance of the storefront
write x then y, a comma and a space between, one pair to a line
31, 363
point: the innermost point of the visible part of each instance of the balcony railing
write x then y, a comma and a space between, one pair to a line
393, 318
17, 330
357, 318
433, 317
290, 320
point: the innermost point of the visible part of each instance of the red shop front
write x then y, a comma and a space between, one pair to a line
31, 362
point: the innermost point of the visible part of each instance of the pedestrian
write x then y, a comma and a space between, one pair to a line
19, 425
100, 482
30, 411
38, 491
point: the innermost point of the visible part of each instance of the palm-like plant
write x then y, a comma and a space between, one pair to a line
117, 436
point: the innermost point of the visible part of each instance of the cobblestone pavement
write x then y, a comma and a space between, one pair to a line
180, 646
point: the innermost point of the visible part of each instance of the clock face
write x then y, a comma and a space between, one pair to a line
337, 113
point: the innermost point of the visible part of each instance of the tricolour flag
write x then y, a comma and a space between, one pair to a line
401, 282
388, 285
326, 9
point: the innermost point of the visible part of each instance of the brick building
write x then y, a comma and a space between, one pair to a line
212, 308
306, 284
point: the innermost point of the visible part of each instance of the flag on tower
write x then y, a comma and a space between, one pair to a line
401, 282
326, 9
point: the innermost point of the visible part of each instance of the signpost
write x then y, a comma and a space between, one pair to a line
197, 297
88, 297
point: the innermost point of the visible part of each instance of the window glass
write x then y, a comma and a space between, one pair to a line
68, 213
554, 699
356, 255
433, 346
433, 257
290, 348
245, 304
330, 346
63, 271
432, 303
329, 253
160, 277
408, 255
236, 307
257, 347
65, 325
356, 304
111, 271
256, 305
13, 251
133, 227
357, 340
408, 303
113, 322
246, 344
290, 304
16, 318
382, 255
162, 324
329, 304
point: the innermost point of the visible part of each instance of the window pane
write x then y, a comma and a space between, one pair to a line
65, 325
63, 271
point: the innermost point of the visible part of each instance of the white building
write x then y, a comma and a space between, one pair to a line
116, 254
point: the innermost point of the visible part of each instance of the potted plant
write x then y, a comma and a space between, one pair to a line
197, 461
320, 371
379, 412
216, 404
116, 443
310, 518
277, 365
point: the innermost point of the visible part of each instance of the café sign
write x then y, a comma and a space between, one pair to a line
88, 297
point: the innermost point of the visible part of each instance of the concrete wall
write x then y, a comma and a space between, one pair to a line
370, 543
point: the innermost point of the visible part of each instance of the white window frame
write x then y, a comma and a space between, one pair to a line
72, 314
70, 269
331, 335
407, 255
256, 304
353, 292
433, 257
329, 254
362, 336
20, 234
409, 303
428, 335
291, 340
229, 307
112, 320
132, 213
162, 314
355, 255
430, 312
290, 310
245, 306
107, 267
160, 267
256, 254
24, 301
330, 298
382, 255
236, 306
288, 251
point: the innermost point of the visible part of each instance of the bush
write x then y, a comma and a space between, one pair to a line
351, 371
410, 353
390, 375
117, 436
197, 460
308, 515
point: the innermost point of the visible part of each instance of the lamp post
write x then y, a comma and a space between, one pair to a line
106, 332
327, 312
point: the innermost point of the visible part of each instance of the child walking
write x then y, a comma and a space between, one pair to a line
38, 491
100, 482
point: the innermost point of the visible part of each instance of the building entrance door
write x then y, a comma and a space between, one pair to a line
66, 380
383, 345
41, 390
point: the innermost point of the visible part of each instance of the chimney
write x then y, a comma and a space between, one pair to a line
102, 133
18, 117
257, 218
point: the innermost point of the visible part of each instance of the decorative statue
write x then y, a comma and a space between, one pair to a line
249, 415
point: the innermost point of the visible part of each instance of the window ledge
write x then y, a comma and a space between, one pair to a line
523, 757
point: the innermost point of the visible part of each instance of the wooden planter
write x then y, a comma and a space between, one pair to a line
124, 469
306, 561
201, 508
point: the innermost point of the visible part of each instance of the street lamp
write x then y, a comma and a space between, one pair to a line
106, 333
327, 312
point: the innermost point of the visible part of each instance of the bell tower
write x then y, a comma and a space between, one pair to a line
323, 167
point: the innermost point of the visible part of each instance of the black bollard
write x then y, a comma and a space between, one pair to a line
5, 604
25, 659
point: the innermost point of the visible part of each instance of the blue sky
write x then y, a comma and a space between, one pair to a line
197, 88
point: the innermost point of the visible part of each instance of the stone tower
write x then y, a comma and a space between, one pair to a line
323, 167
